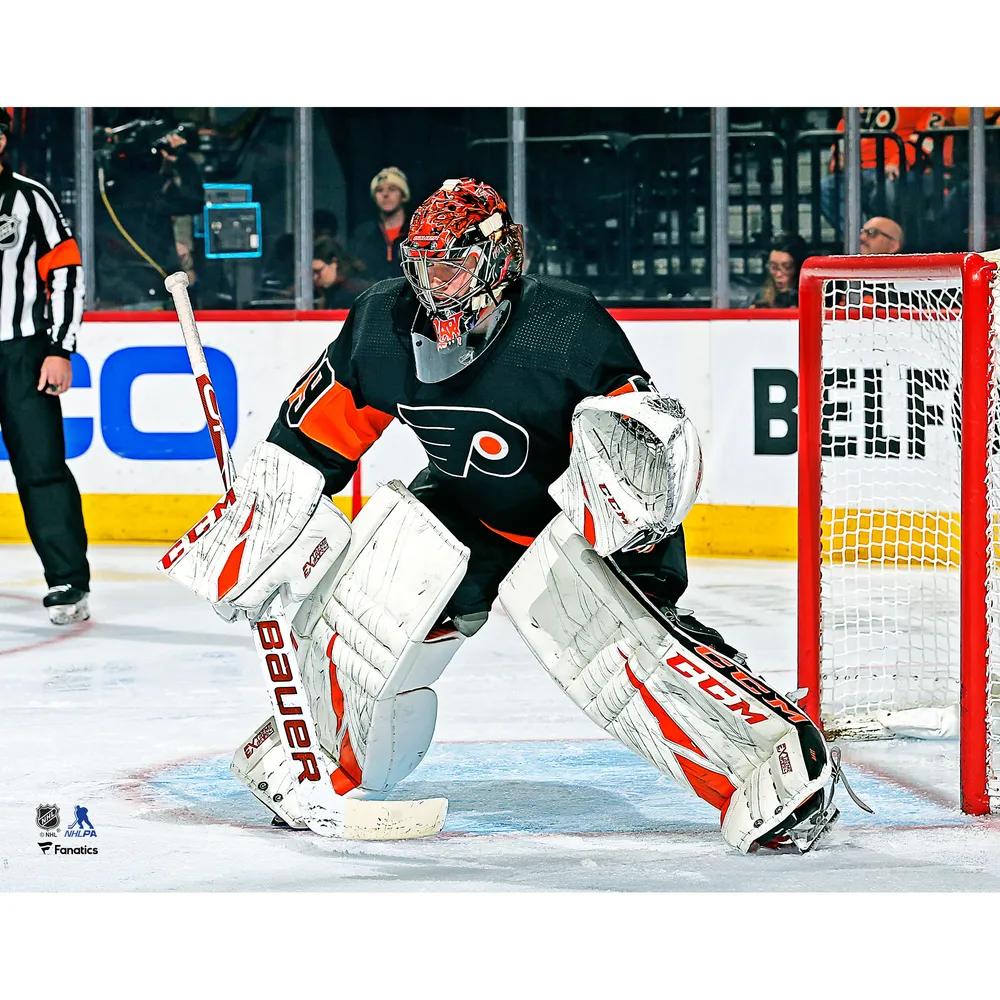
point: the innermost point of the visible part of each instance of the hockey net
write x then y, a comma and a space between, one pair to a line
899, 500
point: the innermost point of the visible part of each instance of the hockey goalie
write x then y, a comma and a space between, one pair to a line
557, 479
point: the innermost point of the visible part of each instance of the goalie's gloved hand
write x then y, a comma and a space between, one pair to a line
701, 633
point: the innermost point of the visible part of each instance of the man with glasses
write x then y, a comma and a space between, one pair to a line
881, 235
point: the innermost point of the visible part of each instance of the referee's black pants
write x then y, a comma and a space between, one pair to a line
31, 422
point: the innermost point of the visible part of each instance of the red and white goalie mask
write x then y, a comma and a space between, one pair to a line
634, 471
461, 252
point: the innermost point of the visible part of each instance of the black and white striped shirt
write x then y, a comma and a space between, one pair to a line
41, 278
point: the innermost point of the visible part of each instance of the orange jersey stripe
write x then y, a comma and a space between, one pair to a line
524, 540
65, 255
335, 421
622, 389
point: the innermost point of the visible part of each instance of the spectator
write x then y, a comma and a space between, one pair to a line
335, 275
781, 285
881, 235
41, 305
279, 265
376, 242
880, 194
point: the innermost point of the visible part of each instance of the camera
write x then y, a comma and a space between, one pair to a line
140, 141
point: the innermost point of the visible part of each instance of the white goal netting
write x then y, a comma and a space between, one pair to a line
891, 482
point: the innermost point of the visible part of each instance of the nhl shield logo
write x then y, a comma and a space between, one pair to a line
47, 817
9, 232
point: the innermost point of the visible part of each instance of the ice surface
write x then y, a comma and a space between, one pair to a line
135, 716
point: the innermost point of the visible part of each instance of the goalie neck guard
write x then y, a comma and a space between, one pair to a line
462, 251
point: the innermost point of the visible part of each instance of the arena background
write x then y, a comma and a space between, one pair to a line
667, 214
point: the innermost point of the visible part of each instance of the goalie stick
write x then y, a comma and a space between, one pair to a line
325, 812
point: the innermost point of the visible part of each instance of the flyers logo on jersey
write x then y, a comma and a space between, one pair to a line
460, 438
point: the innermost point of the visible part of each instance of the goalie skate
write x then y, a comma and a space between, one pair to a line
261, 765
804, 827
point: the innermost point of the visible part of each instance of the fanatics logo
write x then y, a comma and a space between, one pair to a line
10, 231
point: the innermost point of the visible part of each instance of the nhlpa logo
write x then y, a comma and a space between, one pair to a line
460, 438
81, 826
9, 232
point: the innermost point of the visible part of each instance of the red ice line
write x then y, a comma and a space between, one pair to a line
74, 630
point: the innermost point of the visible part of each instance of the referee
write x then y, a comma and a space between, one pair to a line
41, 305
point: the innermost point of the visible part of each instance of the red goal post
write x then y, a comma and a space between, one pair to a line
899, 498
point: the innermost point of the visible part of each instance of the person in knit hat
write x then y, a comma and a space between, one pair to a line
376, 241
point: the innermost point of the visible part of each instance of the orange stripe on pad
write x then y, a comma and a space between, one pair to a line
714, 788
231, 571
348, 773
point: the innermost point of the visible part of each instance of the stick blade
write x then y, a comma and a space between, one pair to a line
366, 819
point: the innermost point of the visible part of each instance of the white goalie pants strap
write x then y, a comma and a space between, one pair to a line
367, 657
687, 709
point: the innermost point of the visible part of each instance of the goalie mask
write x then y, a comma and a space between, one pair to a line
634, 470
461, 252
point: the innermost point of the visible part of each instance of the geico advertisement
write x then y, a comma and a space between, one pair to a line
134, 422
133, 418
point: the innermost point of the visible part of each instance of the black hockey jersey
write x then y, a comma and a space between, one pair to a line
497, 434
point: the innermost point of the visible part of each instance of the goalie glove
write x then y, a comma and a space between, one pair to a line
634, 470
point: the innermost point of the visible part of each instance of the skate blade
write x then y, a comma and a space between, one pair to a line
805, 840
67, 614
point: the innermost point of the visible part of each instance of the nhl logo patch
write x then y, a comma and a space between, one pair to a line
9, 232
47, 817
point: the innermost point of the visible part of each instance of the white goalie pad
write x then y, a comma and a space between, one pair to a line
274, 529
690, 711
367, 658
634, 470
